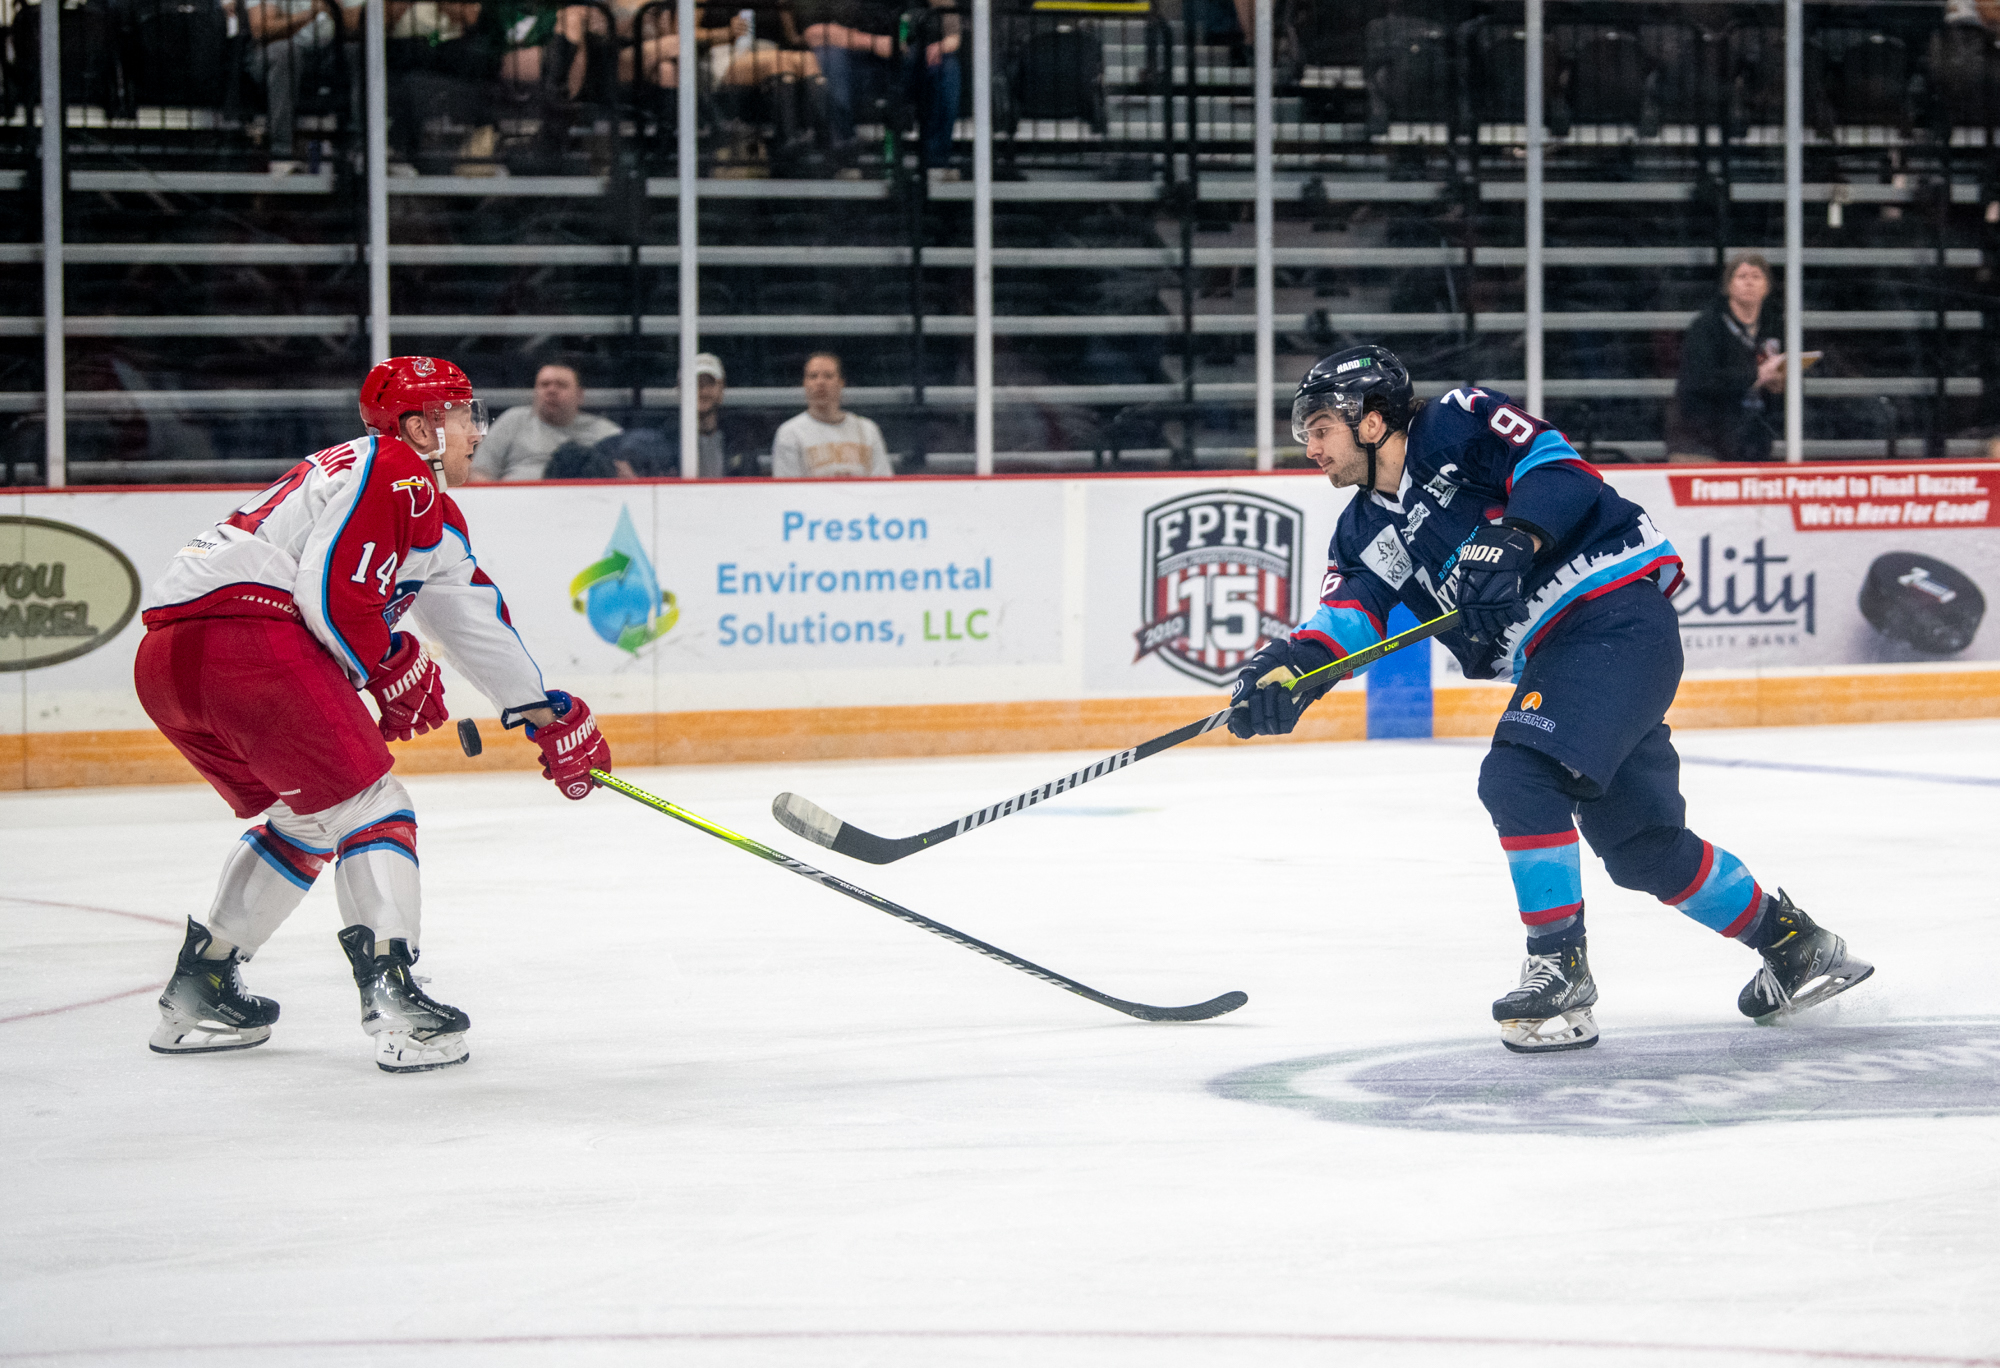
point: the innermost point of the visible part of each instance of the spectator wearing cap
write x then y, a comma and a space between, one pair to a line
523, 438
720, 450
1732, 363
826, 442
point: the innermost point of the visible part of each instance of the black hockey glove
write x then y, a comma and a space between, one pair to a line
1489, 573
1272, 709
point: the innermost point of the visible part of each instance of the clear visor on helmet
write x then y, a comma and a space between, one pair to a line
457, 415
1311, 409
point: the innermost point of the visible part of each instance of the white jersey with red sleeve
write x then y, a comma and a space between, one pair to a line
346, 542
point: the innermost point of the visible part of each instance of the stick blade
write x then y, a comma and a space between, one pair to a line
1200, 1011
803, 817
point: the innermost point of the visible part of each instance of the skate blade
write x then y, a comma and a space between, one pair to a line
189, 1035
1576, 1030
404, 1053
1819, 990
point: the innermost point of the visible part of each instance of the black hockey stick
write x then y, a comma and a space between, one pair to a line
806, 818
1200, 1011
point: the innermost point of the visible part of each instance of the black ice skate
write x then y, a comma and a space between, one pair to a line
1551, 1008
204, 1007
412, 1031
1804, 966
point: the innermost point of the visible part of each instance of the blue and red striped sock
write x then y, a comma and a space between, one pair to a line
1548, 886
1722, 895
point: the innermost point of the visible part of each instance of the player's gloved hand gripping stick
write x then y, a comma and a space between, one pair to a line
808, 819
572, 747
1199, 1011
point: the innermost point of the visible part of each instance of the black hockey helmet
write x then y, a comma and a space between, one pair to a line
1350, 383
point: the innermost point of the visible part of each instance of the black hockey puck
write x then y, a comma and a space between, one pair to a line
468, 736
1921, 601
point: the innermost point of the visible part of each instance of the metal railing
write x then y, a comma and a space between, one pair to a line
1519, 240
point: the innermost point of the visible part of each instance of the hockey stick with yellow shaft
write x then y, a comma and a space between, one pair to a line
806, 818
1200, 1011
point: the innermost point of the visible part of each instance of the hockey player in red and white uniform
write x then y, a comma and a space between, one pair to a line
259, 638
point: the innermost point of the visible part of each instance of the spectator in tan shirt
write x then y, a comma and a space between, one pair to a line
825, 443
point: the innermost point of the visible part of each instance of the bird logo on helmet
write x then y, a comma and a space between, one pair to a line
1351, 384
426, 385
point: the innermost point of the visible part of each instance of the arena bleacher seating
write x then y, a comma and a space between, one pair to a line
217, 299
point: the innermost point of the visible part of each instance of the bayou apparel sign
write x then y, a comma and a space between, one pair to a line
63, 592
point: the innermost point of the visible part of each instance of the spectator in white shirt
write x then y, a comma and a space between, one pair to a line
823, 443
519, 444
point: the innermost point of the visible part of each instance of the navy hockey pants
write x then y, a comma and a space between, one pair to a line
1584, 743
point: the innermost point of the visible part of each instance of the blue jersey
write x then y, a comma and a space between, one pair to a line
1473, 458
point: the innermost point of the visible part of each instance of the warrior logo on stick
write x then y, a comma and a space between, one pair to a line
1220, 579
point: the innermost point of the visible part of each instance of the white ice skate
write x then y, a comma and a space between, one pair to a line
204, 1008
1551, 1009
413, 1032
403, 1052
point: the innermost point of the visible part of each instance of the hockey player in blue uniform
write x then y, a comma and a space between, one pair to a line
1563, 587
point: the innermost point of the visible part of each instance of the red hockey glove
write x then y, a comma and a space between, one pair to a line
571, 746
408, 690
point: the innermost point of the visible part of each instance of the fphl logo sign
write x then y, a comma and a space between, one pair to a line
1220, 578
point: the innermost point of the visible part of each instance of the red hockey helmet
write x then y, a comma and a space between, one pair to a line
429, 385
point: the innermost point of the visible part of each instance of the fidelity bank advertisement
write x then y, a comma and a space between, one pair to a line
663, 597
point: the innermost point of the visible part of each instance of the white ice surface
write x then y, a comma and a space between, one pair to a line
716, 1115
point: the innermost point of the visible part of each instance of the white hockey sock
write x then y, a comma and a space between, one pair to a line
373, 838
263, 880
376, 877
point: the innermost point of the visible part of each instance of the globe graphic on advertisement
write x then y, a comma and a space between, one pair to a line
620, 594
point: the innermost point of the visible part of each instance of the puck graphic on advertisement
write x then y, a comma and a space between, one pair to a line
468, 736
1923, 602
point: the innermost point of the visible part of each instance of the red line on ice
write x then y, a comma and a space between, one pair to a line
86, 907
1216, 1336
75, 1006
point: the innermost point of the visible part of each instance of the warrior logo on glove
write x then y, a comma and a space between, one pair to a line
571, 745
1221, 577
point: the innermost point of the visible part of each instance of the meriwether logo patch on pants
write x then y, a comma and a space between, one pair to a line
1221, 578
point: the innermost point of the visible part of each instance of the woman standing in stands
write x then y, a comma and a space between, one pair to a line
1731, 365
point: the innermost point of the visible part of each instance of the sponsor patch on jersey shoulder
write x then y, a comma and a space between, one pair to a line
1388, 558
